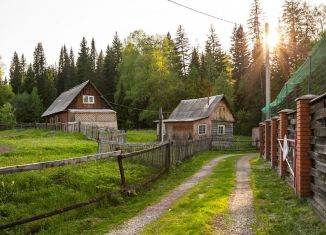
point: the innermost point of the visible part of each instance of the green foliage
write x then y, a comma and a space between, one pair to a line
23, 108
36, 104
7, 115
6, 94
29, 81
277, 209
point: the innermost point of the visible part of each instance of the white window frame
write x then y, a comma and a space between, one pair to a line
89, 99
202, 125
218, 129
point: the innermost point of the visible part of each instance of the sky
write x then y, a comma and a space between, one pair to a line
54, 23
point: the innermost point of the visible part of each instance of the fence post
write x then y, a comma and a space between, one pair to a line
283, 127
79, 126
267, 140
122, 173
303, 133
273, 141
168, 156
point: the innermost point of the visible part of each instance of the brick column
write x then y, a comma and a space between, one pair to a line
282, 128
261, 141
303, 132
267, 140
273, 141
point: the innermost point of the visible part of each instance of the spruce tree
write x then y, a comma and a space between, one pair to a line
72, 78
183, 50
15, 74
63, 70
213, 49
36, 104
39, 68
240, 60
99, 70
29, 80
83, 67
93, 60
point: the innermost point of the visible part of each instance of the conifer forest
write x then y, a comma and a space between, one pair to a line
141, 73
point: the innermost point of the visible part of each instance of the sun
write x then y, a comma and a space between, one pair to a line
273, 39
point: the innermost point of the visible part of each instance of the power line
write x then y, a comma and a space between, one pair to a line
138, 109
201, 12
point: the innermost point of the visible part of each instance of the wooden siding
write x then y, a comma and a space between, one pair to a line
222, 113
228, 135
179, 130
318, 154
99, 103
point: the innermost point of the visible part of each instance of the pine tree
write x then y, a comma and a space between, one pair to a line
72, 78
29, 80
50, 83
39, 68
183, 50
83, 67
15, 74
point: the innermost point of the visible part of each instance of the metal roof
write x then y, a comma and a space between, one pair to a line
194, 109
62, 102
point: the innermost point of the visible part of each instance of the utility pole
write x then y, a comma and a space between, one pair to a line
267, 75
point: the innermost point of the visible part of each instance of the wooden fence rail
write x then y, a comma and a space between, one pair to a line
56, 163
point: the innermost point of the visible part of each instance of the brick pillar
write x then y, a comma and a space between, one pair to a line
267, 140
261, 141
273, 141
303, 132
282, 128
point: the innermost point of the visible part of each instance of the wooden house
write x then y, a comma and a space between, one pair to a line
83, 103
200, 118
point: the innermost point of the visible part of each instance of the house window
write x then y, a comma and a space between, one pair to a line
202, 129
221, 129
88, 99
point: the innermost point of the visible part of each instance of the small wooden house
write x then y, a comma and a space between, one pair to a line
200, 118
83, 103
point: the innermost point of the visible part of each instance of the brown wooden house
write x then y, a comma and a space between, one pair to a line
200, 118
83, 103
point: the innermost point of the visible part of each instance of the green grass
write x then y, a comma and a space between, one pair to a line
278, 210
97, 218
140, 136
194, 213
34, 145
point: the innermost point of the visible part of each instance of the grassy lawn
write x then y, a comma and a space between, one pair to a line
140, 136
75, 184
34, 145
194, 213
277, 208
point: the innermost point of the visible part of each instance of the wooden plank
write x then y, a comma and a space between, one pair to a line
320, 132
320, 114
141, 151
56, 163
318, 156
319, 148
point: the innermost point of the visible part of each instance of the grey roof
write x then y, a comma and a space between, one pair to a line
91, 110
64, 99
194, 109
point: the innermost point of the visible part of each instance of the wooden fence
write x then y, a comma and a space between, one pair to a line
160, 156
303, 144
90, 131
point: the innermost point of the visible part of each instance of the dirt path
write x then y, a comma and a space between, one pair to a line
151, 213
241, 210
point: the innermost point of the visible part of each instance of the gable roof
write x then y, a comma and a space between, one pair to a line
195, 109
62, 102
